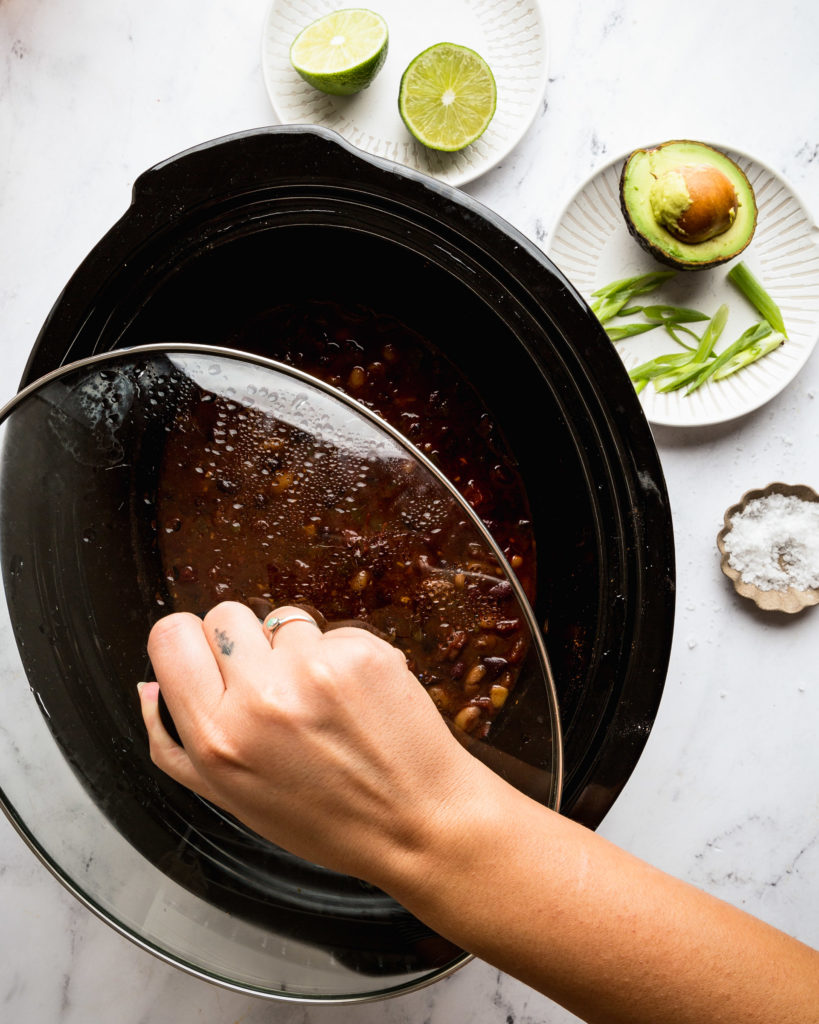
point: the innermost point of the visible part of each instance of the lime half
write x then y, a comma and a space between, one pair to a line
447, 96
342, 52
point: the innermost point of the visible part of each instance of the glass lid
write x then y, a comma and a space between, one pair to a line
159, 479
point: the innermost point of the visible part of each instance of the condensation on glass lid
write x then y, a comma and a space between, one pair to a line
283, 494
87, 416
329, 420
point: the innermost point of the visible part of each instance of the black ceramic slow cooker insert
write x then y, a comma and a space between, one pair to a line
221, 234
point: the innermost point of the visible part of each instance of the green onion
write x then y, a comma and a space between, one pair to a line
609, 307
678, 378
697, 363
673, 314
711, 334
637, 285
750, 355
672, 330
629, 330
753, 334
612, 298
658, 366
752, 289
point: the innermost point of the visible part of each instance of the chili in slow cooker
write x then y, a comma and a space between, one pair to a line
250, 507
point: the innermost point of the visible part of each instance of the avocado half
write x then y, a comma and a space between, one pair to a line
687, 204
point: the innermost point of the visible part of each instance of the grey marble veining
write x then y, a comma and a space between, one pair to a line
726, 793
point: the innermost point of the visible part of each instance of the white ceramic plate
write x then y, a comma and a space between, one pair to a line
591, 245
508, 34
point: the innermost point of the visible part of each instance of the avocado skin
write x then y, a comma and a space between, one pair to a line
655, 249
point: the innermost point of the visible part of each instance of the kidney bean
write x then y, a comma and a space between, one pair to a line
494, 665
503, 589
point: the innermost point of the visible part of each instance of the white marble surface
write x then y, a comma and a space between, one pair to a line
727, 791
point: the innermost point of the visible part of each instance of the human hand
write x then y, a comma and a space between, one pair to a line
324, 743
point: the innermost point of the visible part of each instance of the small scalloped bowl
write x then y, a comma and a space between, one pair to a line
789, 600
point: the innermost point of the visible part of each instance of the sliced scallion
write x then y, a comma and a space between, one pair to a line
711, 334
672, 330
679, 378
673, 314
753, 291
749, 337
751, 354
698, 362
658, 366
629, 330
609, 300
636, 285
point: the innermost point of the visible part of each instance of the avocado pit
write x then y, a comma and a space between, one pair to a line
694, 202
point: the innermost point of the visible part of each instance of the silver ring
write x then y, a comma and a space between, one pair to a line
274, 622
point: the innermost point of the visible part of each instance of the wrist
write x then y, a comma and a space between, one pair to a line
458, 847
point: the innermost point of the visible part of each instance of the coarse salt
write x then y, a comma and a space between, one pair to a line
773, 543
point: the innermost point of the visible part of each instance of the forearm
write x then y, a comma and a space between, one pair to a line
592, 927
291, 740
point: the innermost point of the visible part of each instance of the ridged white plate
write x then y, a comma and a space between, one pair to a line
591, 245
508, 34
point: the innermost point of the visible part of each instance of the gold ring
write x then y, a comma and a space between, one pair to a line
274, 622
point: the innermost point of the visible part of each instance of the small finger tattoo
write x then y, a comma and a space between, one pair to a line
226, 645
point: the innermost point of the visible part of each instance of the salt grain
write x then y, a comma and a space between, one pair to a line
774, 543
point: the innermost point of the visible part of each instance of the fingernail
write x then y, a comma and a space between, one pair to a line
139, 687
